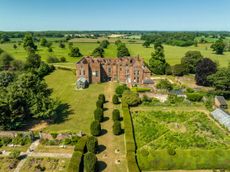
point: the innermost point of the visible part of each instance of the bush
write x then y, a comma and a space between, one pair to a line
75, 52
95, 128
179, 70
117, 128
116, 115
80, 145
99, 114
131, 98
139, 89
92, 144
164, 84
101, 97
75, 162
15, 154
194, 97
171, 151
52, 59
115, 99
99, 104
62, 59
173, 99
90, 161
120, 89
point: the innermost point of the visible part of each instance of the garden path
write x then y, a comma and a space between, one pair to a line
108, 158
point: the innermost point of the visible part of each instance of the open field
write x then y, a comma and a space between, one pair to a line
81, 102
173, 54
54, 149
179, 140
45, 164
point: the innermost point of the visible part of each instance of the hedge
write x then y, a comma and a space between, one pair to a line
81, 144
194, 97
140, 89
75, 164
129, 140
189, 159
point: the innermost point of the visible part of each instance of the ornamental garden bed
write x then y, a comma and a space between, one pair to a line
179, 140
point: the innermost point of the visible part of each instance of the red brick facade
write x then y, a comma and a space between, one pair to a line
127, 70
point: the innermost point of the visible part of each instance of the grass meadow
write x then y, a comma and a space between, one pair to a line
173, 54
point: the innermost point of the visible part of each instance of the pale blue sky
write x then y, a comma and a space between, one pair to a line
115, 15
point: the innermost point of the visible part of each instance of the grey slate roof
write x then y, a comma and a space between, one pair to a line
222, 116
221, 99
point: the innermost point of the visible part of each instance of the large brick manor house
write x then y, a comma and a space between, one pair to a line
127, 70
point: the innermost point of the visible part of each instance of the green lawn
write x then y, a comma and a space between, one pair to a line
82, 102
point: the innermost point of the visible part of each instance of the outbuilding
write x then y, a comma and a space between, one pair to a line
82, 83
220, 102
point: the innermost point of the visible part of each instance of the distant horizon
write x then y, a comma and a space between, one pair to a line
114, 30
115, 15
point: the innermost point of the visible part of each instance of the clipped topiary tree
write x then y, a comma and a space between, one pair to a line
99, 104
116, 115
95, 128
90, 161
92, 144
99, 114
101, 97
115, 99
117, 128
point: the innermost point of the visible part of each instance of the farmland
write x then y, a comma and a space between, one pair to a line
173, 54
165, 137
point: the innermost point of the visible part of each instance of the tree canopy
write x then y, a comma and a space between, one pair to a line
28, 42
204, 68
157, 63
218, 46
190, 60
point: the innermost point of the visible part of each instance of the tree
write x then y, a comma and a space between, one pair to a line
164, 84
116, 115
157, 62
204, 68
75, 52
52, 59
179, 70
5, 60
5, 38
43, 42
104, 44
62, 59
218, 46
115, 99
98, 52
122, 50
17, 65
99, 114
33, 61
117, 128
28, 42
101, 97
90, 161
117, 42
15, 46
190, 60
50, 49
61, 45
92, 144
221, 79
6, 78
99, 104
146, 44
95, 128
